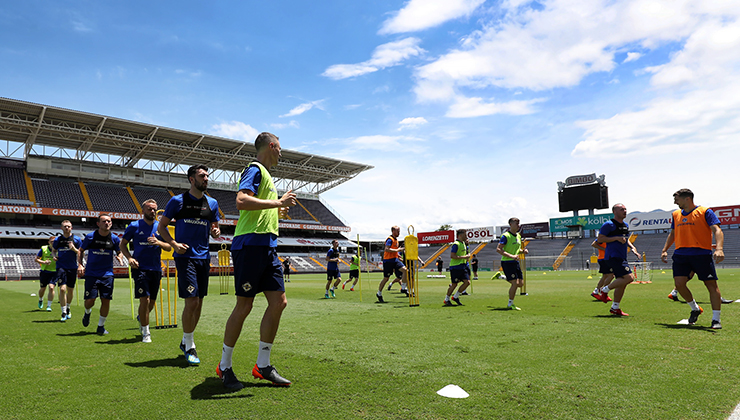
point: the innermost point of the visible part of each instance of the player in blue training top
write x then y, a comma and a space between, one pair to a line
391, 262
332, 269
615, 234
102, 246
146, 268
66, 249
196, 217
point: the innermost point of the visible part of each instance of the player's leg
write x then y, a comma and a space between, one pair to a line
450, 290
716, 298
329, 278
231, 335
91, 294
463, 285
50, 297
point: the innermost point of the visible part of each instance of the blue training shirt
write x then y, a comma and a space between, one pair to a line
250, 181
148, 255
332, 265
100, 252
66, 258
193, 226
615, 249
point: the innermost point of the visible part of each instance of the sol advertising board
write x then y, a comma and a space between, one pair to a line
482, 234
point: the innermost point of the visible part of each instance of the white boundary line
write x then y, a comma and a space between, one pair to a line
735, 414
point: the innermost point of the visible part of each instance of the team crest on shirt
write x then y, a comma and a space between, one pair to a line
141, 291
87, 293
685, 220
191, 289
247, 287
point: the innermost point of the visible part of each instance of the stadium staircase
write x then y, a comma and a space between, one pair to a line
479, 248
317, 262
435, 255
306, 210
563, 254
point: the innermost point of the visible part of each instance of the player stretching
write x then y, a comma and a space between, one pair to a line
257, 268
510, 246
615, 234
692, 228
606, 275
47, 275
146, 263
332, 269
459, 257
354, 272
196, 217
98, 272
66, 248
391, 262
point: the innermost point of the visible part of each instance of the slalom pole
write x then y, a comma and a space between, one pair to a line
359, 272
131, 290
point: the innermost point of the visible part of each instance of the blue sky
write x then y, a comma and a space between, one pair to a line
469, 110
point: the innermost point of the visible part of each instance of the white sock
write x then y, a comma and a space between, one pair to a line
715, 315
447, 298
615, 305
145, 330
101, 321
226, 354
596, 290
693, 305
187, 339
457, 294
605, 289
511, 302
49, 303
674, 292
263, 356
87, 311
380, 294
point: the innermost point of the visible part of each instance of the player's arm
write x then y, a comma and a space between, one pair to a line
597, 245
40, 261
153, 240
124, 250
719, 240
164, 221
500, 250
668, 242
245, 200
633, 249
80, 266
389, 249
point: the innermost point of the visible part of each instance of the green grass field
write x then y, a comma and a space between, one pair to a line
561, 356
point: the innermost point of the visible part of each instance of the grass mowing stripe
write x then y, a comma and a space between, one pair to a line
562, 356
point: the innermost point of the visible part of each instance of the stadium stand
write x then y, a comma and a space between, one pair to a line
318, 210
14, 184
58, 193
160, 195
110, 197
226, 201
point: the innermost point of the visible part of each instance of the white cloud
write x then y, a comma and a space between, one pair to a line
554, 47
300, 109
412, 122
418, 15
384, 56
632, 56
292, 123
235, 130
475, 107
383, 143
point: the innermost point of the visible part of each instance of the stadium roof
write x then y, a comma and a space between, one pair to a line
139, 145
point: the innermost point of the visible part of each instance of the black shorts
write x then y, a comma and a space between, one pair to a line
354, 274
257, 269
146, 283
391, 266
67, 276
192, 277
102, 286
702, 265
47, 277
458, 275
603, 267
618, 267
333, 274
512, 270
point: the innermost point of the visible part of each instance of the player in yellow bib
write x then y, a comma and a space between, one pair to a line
510, 246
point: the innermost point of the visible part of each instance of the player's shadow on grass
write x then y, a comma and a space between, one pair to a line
48, 321
178, 361
500, 308
213, 389
121, 341
78, 334
686, 327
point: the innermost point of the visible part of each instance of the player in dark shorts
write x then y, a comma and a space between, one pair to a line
66, 248
47, 275
332, 269
615, 234
286, 269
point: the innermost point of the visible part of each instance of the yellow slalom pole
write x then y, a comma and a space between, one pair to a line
359, 271
131, 290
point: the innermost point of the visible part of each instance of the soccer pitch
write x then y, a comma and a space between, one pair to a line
562, 356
